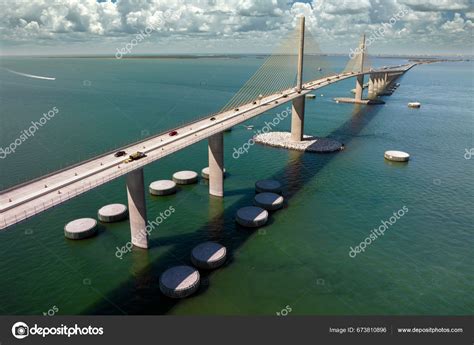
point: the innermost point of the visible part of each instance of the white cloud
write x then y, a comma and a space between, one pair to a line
438, 5
255, 24
457, 25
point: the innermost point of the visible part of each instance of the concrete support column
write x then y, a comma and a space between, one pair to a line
378, 85
137, 208
216, 164
359, 87
299, 75
297, 111
384, 82
297, 119
372, 92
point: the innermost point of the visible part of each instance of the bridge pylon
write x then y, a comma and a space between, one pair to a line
298, 104
359, 89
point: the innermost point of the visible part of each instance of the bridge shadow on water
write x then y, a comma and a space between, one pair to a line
141, 293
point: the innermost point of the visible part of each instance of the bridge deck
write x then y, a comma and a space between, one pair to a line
25, 200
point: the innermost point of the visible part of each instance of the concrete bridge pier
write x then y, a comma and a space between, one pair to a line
359, 89
372, 95
216, 164
297, 119
378, 84
137, 208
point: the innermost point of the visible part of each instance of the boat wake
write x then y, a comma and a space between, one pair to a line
30, 75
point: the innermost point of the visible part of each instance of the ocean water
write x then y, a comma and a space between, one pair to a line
423, 265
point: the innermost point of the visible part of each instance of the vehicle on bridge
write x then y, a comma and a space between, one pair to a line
173, 133
120, 154
134, 156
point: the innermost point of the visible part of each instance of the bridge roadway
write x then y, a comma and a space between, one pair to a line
27, 199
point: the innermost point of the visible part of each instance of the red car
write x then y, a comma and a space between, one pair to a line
173, 133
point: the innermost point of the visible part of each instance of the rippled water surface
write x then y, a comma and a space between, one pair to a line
422, 265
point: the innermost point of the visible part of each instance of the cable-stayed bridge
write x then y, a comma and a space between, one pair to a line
296, 68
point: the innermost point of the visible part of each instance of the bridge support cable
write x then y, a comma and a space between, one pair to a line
317, 64
359, 60
276, 73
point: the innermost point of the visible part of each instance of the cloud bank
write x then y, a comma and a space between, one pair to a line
90, 26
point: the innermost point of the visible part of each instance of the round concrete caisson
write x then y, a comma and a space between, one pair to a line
268, 201
208, 255
205, 173
397, 156
272, 186
162, 187
185, 177
251, 216
80, 228
112, 213
179, 281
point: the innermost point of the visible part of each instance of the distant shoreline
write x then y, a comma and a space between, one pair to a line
232, 56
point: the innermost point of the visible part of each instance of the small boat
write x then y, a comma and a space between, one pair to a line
414, 104
249, 127
310, 95
320, 69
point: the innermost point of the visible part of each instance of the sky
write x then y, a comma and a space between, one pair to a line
84, 27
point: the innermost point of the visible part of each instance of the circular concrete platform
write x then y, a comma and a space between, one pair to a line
162, 187
396, 156
208, 255
185, 177
251, 216
272, 186
80, 228
268, 201
205, 173
179, 281
112, 213
308, 144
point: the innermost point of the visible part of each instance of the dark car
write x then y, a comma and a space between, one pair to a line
213, 118
173, 133
120, 153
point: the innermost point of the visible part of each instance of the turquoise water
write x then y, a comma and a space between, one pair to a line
422, 265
